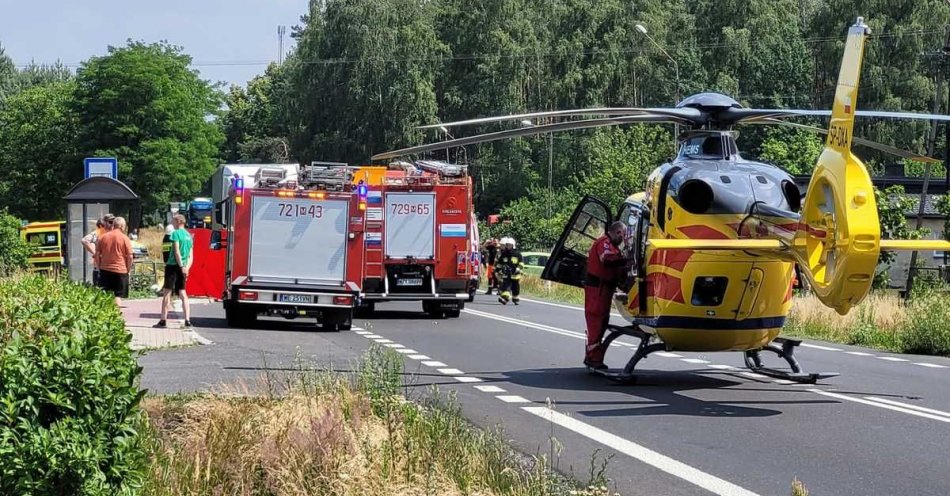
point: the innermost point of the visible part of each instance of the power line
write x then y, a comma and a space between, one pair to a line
524, 55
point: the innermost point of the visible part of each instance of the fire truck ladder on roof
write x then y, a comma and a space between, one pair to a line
443, 169
329, 176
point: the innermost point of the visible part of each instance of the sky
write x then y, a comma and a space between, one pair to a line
229, 40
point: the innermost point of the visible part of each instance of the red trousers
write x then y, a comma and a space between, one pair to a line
597, 301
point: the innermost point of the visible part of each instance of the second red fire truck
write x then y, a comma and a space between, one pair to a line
421, 239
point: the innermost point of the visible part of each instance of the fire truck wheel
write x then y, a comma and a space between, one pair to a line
453, 314
341, 320
366, 309
239, 315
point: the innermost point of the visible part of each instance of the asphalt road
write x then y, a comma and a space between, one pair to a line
694, 423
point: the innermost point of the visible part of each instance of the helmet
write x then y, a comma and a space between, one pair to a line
508, 241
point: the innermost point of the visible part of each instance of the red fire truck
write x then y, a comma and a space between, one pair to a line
420, 236
294, 245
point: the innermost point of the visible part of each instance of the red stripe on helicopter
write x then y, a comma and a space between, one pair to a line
702, 232
664, 287
818, 233
674, 259
788, 294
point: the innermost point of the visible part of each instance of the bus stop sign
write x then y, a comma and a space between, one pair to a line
100, 167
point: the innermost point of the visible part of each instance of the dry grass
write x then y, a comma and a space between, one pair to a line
325, 433
884, 311
534, 286
151, 237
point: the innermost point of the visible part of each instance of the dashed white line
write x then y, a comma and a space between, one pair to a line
892, 359
372, 336
467, 379
382, 340
407, 351
667, 354
722, 367
362, 333
512, 399
490, 389
451, 372
859, 353
394, 345
662, 462
930, 365
819, 347
419, 357
886, 406
695, 360
434, 363
907, 405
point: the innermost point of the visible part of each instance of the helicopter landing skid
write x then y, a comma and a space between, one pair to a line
626, 376
785, 349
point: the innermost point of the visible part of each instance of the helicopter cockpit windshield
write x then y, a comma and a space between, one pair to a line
706, 146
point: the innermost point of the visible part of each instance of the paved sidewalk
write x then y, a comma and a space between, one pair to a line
141, 315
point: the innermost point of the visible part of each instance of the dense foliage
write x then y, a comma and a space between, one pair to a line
69, 402
365, 73
13, 249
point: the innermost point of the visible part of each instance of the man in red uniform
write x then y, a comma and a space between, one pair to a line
605, 265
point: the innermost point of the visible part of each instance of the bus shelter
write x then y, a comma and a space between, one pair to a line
87, 201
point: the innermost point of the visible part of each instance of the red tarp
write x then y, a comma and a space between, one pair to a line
206, 278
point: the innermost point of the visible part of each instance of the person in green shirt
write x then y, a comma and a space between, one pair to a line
176, 270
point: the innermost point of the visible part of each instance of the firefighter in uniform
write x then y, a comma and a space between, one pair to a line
508, 268
489, 258
605, 268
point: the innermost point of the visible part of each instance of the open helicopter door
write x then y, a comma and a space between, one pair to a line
568, 261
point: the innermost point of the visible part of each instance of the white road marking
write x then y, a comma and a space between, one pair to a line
694, 360
819, 347
383, 340
540, 327
372, 336
490, 389
419, 357
560, 305
931, 365
907, 405
394, 345
667, 354
881, 405
199, 338
783, 381
512, 399
662, 462
406, 351
859, 353
362, 333
358, 329
723, 367
753, 375
451, 372
892, 359
434, 363
466, 378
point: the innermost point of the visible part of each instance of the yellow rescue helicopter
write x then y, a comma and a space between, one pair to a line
715, 238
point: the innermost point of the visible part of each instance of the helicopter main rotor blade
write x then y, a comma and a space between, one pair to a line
689, 114
526, 131
744, 114
860, 141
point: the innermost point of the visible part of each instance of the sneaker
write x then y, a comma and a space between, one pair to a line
187, 324
161, 324
488, 292
502, 301
595, 365
515, 301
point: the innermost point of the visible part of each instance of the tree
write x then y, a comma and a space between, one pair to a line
892, 208
38, 75
142, 104
8, 76
37, 151
794, 150
14, 252
252, 125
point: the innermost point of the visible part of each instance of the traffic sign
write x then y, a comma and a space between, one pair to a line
101, 167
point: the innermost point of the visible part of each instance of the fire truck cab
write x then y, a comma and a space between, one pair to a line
294, 245
419, 235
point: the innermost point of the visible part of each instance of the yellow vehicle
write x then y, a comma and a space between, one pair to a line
46, 238
714, 240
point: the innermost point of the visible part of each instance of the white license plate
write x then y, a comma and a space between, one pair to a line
409, 282
295, 298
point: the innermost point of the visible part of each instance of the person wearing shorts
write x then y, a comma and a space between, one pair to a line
176, 270
114, 259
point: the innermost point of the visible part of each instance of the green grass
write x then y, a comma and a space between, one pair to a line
533, 286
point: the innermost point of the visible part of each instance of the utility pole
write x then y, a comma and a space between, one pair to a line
281, 30
550, 172
912, 270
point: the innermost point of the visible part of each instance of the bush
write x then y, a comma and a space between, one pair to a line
14, 251
69, 404
928, 330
